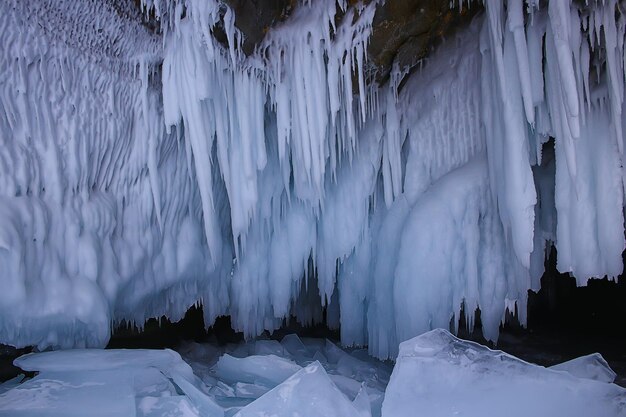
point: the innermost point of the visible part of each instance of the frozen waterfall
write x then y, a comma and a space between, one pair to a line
153, 170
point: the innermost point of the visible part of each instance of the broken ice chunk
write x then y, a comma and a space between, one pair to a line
11, 383
437, 374
96, 359
177, 405
348, 386
202, 402
107, 383
268, 370
103, 393
193, 351
269, 347
307, 393
319, 356
333, 352
243, 390
362, 402
591, 367
294, 346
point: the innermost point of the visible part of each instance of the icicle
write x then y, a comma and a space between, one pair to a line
614, 72
560, 22
152, 145
516, 25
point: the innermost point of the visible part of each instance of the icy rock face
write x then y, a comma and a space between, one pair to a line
437, 374
144, 172
591, 366
404, 33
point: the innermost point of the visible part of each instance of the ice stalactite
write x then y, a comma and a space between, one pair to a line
284, 181
283, 121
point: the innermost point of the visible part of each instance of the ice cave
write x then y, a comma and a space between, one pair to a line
303, 208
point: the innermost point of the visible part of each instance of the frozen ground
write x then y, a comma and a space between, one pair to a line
436, 374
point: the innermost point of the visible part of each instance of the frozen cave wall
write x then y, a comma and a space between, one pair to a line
160, 158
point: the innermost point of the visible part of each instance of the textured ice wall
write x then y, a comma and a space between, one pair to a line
154, 170
86, 170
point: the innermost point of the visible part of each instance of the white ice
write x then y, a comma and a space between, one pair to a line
592, 366
308, 393
106, 383
435, 374
143, 172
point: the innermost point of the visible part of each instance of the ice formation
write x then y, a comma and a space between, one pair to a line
310, 377
146, 383
144, 171
436, 374
590, 366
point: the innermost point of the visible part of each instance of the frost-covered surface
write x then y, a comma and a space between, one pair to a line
436, 374
141, 173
